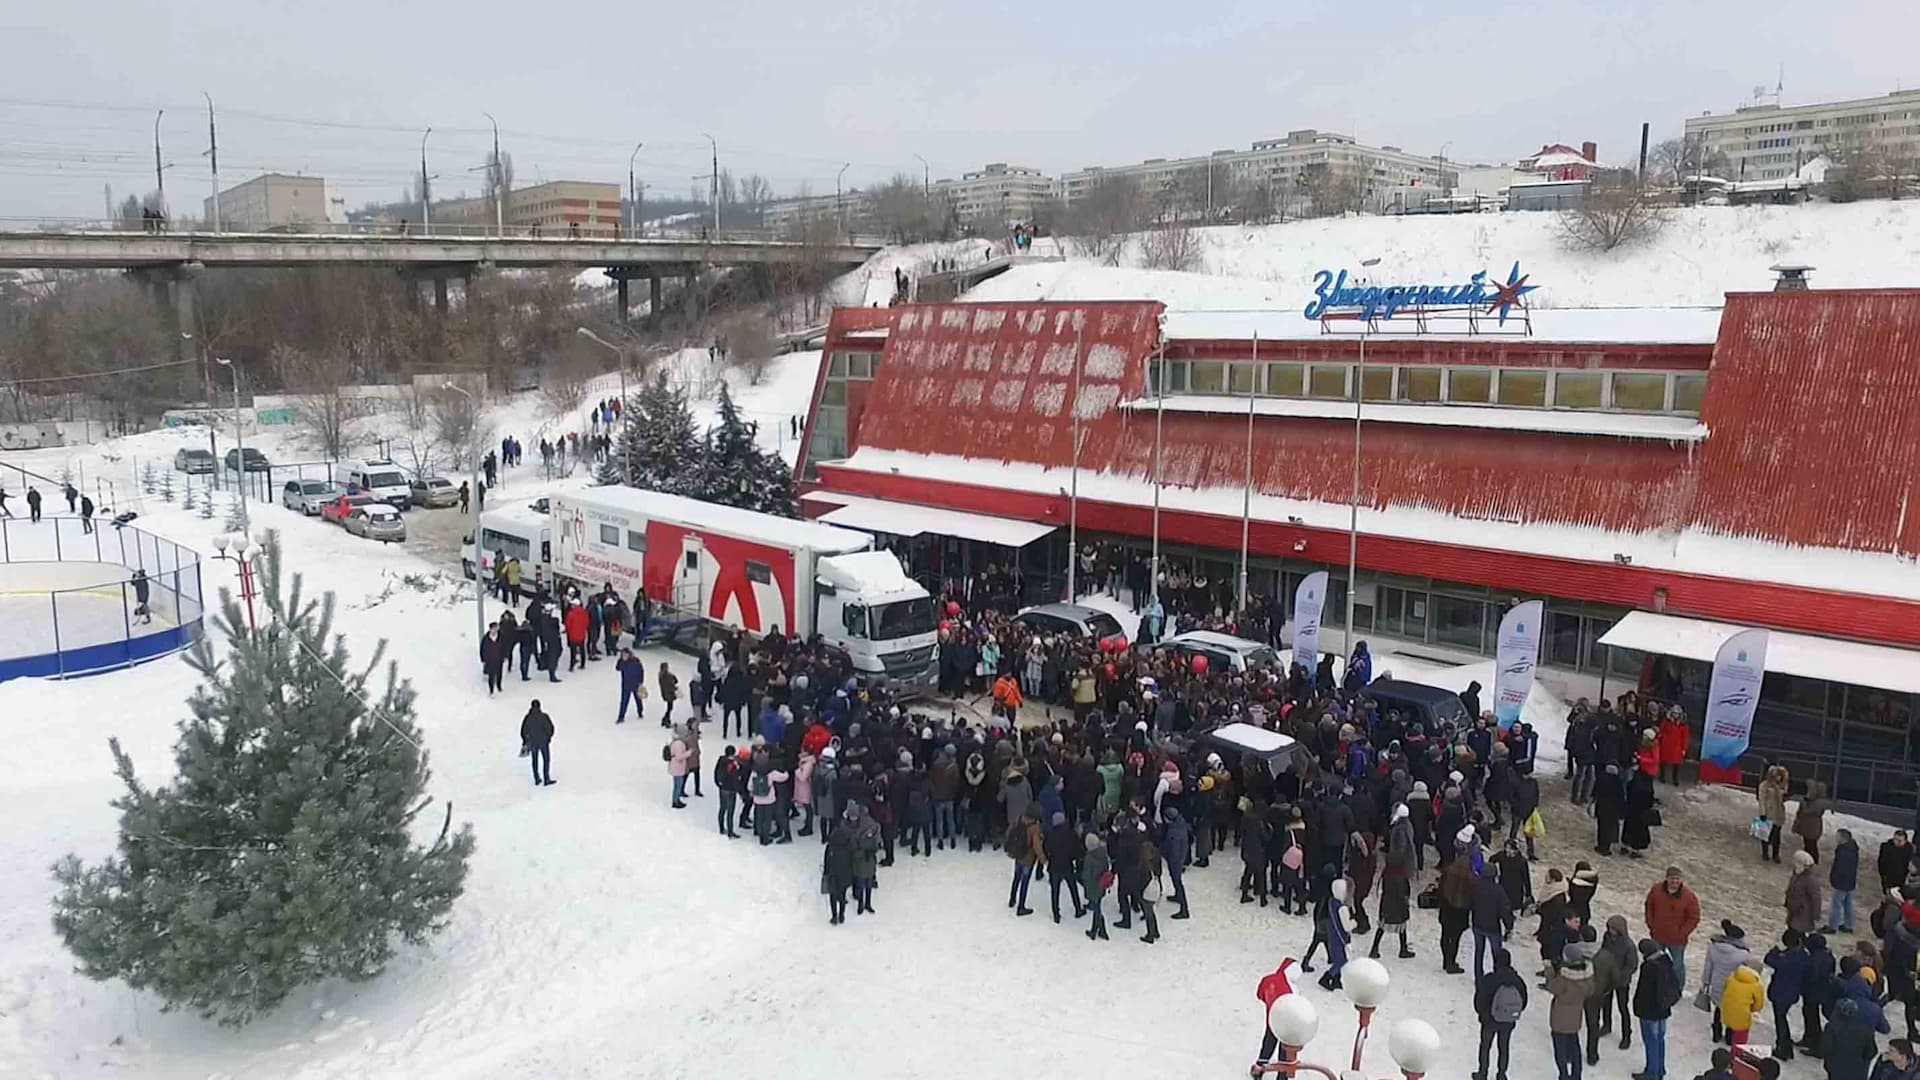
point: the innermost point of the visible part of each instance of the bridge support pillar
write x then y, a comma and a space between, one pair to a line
185, 307
653, 293
440, 294
625, 305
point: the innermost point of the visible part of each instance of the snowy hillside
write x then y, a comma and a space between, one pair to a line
1703, 253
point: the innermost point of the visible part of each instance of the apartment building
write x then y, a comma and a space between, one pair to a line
1000, 193
555, 208
271, 201
1767, 141
1288, 163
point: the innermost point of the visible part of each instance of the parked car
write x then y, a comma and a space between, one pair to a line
339, 508
1430, 705
194, 462
1237, 743
308, 496
255, 460
377, 521
433, 491
1073, 620
1224, 650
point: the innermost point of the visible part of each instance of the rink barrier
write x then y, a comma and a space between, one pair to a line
174, 596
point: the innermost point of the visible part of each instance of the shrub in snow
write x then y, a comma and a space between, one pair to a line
284, 851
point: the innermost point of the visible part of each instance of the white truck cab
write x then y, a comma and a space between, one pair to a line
866, 605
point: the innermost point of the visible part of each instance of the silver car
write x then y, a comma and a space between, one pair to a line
307, 496
433, 491
377, 521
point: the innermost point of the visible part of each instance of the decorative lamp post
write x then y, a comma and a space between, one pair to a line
1414, 1044
238, 558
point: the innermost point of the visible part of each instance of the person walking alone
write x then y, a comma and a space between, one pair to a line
86, 514
669, 684
493, 652
633, 678
33, 503
536, 735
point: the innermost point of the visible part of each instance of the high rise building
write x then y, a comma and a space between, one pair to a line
1767, 141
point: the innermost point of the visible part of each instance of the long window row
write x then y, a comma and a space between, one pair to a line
1533, 388
830, 419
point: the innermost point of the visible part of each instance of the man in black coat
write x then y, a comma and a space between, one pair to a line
1492, 1027
536, 734
1063, 846
1895, 859
1492, 920
1653, 1000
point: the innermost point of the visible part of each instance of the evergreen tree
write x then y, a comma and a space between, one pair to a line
284, 852
736, 472
659, 447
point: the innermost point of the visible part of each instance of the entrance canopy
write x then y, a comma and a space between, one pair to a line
1789, 654
905, 519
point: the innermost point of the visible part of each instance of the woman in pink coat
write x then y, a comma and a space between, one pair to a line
678, 757
803, 790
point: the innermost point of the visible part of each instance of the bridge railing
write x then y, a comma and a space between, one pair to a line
434, 230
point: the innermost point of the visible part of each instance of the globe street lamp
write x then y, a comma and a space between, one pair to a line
1414, 1044
238, 558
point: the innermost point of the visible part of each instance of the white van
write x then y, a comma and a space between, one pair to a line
381, 479
516, 531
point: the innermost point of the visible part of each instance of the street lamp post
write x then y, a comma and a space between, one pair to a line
239, 441
926, 176
633, 193
1414, 1044
426, 187
839, 203
159, 170
238, 558
499, 181
213, 159
713, 184
473, 523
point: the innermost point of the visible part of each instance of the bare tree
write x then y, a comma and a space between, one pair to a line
564, 379
905, 212
755, 193
750, 344
1334, 189
1671, 161
1868, 165
1101, 219
324, 407
1170, 245
456, 425
1615, 212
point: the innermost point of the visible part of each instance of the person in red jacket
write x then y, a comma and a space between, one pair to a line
1672, 913
1675, 734
1272, 988
575, 622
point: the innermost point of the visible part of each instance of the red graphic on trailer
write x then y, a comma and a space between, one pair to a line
733, 581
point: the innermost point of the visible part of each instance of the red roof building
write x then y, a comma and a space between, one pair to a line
1754, 465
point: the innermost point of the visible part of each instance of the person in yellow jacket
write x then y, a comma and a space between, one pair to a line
1741, 1001
1085, 692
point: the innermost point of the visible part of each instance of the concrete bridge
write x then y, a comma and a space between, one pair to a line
169, 262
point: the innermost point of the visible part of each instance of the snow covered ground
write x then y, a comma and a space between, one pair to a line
606, 934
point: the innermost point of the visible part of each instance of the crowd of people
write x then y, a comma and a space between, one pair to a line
1118, 796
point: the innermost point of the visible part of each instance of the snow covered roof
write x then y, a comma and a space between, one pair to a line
1253, 740
1488, 417
1623, 325
872, 573
905, 519
1789, 654
743, 524
1556, 160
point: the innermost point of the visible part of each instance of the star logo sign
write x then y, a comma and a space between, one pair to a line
1511, 294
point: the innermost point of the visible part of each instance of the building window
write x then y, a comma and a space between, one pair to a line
1209, 377
834, 393
1241, 378
1578, 389
1688, 392
1177, 380
610, 535
1287, 380
1471, 385
837, 366
1458, 621
1639, 391
1327, 380
636, 540
1419, 384
1376, 384
1523, 386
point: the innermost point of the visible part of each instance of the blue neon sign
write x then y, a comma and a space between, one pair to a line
1332, 295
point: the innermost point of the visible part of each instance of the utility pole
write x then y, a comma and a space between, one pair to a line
159, 175
633, 193
473, 523
499, 181
839, 201
426, 188
713, 184
926, 176
213, 158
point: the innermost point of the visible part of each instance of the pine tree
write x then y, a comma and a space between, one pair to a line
166, 486
146, 477
237, 514
284, 852
659, 447
736, 472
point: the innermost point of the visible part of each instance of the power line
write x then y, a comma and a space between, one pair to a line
96, 374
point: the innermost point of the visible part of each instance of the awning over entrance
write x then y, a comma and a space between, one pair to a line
1789, 654
905, 519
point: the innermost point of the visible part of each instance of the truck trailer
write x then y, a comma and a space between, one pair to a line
743, 570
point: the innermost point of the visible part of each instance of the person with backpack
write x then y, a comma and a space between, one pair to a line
726, 780
1023, 845
1499, 998
1096, 877
676, 755
760, 790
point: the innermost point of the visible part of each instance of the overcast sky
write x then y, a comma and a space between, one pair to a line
794, 90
